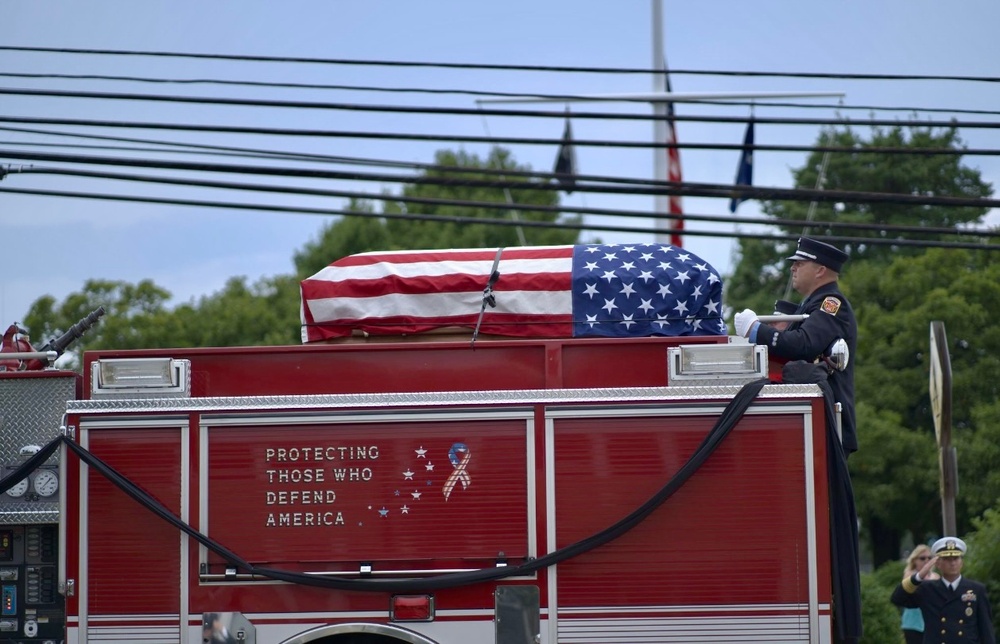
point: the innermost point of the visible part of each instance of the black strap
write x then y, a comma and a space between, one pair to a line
488, 296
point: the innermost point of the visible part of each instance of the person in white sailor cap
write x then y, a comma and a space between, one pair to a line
815, 269
955, 608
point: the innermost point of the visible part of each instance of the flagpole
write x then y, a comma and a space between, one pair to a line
660, 204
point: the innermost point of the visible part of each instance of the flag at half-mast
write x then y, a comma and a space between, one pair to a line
744, 172
565, 166
674, 207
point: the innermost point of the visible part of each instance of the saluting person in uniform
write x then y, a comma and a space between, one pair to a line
815, 269
955, 609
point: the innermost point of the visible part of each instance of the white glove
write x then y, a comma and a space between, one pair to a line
744, 320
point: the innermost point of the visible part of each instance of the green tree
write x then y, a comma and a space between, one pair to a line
343, 237
761, 276
896, 469
892, 499
133, 313
880, 618
983, 561
136, 316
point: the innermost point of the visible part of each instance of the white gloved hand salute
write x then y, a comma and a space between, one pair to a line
744, 321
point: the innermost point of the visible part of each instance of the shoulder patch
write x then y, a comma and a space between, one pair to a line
830, 305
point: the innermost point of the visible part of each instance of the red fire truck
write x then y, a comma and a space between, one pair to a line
545, 490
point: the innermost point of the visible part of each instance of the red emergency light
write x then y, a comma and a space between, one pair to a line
411, 608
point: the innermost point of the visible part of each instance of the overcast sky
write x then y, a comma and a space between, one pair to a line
52, 245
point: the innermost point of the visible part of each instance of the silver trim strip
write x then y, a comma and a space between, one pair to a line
433, 399
185, 501
83, 590
810, 491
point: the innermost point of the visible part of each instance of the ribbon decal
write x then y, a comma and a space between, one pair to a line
459, 455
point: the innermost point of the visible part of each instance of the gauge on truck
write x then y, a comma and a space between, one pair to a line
19, 489
45, 483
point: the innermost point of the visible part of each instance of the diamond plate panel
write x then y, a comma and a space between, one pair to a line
31, 411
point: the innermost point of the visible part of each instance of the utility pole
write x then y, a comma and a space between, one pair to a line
940, 391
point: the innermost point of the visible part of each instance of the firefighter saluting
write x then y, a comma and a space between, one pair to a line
955, 609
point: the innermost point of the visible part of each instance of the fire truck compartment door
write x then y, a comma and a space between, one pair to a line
403, 490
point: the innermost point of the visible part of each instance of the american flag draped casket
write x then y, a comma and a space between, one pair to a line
587, 290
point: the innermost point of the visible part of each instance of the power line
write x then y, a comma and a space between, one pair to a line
492, 140
691, 189
498, 67
276, 154
122, 148
472, 92
874, 241
480, 111
224, 149
883, 229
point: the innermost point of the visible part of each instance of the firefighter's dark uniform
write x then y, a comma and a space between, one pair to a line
950, 616
830, 318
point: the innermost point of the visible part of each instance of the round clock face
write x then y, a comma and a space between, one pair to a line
18, 490
45, 483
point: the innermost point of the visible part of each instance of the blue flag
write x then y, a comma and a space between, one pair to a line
744, 172
565, 166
